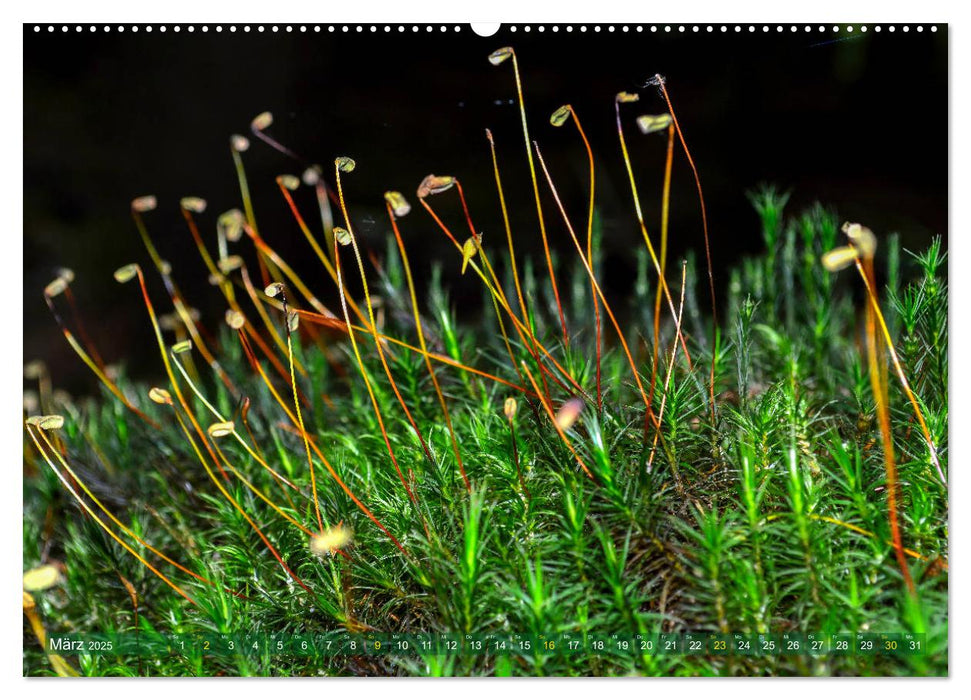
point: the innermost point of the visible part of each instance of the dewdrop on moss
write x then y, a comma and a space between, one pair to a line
290, 182
65, 273
143, 204
218, 430
840, 258
293, 320
181, 347
510, 407
345, 164
435, 184
624, 97
196, 205
568, 413
274, 289
331, 540
399, 205
651, 123
862, 239
159, 395
234, 319
41, 578
239, 143
51, 422
261, 121
559, 117
342, 235
126, 273
500, 55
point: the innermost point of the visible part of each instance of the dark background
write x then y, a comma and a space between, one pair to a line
859, 123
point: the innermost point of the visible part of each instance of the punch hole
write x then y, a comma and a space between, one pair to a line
485, 29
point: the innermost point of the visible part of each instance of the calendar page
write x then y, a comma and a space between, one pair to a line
533, 349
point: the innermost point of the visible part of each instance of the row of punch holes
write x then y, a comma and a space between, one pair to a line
428, 28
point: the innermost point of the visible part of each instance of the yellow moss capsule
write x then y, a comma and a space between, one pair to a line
862, 239
839, 258
66, 274
261, 121
55, 287
239, 143
230, 263
126, 273
435, 184
510, 407
159, 395
469, 249
342, 235
559, 117
274, 289
231, 224
35, 369
500, 55
51, 422
568, 413
143, 204
311, 176
290, 182
330, 540
196, 205
41, 578
399, 205
218, 430
651, 123
234, 319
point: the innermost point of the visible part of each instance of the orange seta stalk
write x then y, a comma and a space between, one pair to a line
498, 57
111, 533
625, 97
558, 119
421, 340
254, 363
593, 281
377, 342
661, 83
559, 431
596, 303
665, 211
360, 359
898, 369
524, 332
